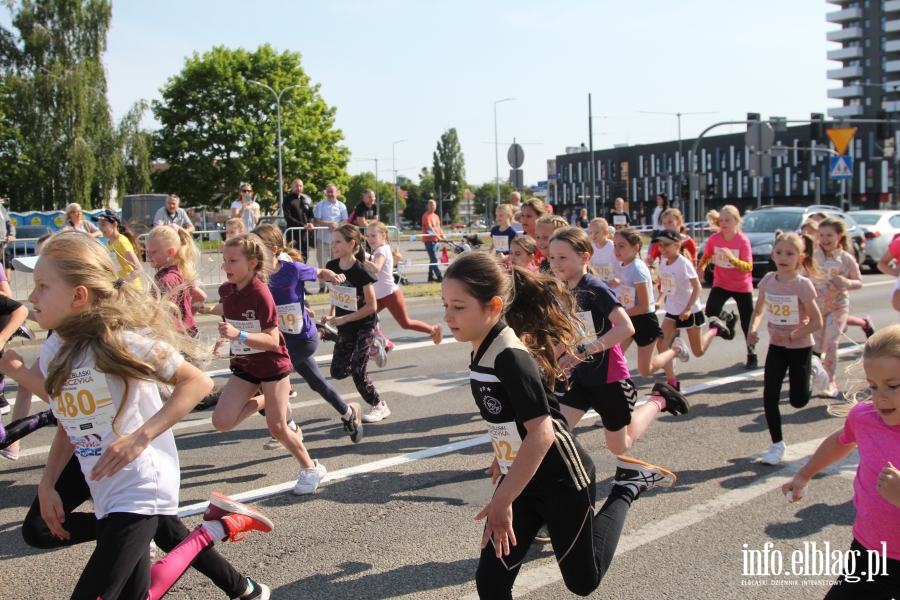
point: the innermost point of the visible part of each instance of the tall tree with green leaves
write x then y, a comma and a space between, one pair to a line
449, 170
353, 194
58, 129
218, 129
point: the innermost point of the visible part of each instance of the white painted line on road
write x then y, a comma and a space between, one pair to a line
795, 456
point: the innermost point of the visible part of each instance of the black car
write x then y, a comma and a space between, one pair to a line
26, 240
760, 225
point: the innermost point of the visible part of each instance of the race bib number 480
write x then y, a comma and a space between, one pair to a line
506, 442
290, 317
721, 259
239, 348
84, 406
783, 310
343, 297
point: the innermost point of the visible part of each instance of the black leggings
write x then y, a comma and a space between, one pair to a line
84, 527
351, 356
301, 352
779, 361
584, 543
18, 429
882, 587
744, 301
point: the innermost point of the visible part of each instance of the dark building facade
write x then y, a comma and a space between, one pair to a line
638, 173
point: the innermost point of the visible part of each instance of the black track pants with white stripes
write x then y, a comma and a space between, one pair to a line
584, 543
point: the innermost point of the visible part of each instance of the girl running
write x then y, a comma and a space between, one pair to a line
387, 293
171, 250
234, 227
729, 250
603, 260
504, 233
600, 378
353, 308
672, 219
838, 273
544, 230
681, 287
543, 474
618, 216
529, 214
874, 429
286, 282
522, 251
101, 380
790, 301
123, 247
259, 356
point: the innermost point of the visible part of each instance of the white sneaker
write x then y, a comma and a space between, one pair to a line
292, 394
377, 413
681, 350
11, 452
379, 354
274, 444
774, 455
4, 410
831, 391
309, 479
818, 378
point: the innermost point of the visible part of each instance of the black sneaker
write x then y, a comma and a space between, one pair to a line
752, 361
24, 331
676, 403
722, 329
329, 333
641, 475
731, 320
354, 427
869, 327
260, 592
210, 400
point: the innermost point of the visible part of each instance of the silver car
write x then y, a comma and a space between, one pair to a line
880, 227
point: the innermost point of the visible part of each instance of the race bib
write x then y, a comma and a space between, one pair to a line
506, 442
588, 319
84, 406
604, 271
343, 297
240, 348
627, 295
783, 310
667, 283
290, 317
115, 259
618, 220
832, 268
501, 243
721, 260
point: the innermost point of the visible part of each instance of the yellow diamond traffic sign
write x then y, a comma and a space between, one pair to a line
841, 138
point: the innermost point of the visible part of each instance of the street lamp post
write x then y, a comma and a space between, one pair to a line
496, 150
278, 109
394, 168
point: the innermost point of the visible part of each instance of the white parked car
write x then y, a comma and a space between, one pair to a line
880, 227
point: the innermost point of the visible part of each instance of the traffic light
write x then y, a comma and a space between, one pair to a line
817, 127
882, 130
684, 189
752, 117
712, 188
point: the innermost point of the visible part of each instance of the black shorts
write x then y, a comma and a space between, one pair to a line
695, 320
614, 402
646, 329
242, 374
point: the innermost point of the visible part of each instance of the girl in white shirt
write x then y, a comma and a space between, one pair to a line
387, 292
603, 261
111, 345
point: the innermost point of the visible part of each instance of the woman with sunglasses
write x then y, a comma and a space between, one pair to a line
245, 208
75, 220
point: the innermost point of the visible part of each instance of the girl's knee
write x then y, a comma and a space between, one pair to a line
222, 424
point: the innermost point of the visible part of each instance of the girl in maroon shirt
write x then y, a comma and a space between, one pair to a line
171, 250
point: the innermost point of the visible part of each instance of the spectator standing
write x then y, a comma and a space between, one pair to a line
366, 211
245, 208
298, 214
171, 214
75, 220
431, 228
330, 213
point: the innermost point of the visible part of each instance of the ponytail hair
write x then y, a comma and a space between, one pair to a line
536, 307
351, 233
713, 216
187, 255
124, 230
272, 237
252, 247
884, 343
804, 244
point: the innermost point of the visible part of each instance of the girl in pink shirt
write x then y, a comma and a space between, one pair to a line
729, 250
874, 429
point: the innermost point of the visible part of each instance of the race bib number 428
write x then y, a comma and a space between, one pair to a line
84, 405
783, 310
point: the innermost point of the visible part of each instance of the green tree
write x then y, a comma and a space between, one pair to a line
134, 176
449, 170
358, 184
56, 120
486, 191
218, 130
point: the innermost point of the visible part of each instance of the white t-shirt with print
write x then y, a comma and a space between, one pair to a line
149, 484
675, 282
385, 285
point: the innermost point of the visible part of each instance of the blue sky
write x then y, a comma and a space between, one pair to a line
410, 69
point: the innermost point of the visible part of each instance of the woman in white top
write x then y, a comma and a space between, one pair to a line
387, 292
75, 220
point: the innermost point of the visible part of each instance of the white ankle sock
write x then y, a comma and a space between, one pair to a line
349, 414
215, 529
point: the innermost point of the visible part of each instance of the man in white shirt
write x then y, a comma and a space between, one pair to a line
331, 214
245, 208
171, 214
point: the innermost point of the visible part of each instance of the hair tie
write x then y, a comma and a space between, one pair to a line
118, 283
174, 226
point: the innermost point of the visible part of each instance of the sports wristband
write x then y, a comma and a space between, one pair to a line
242, 337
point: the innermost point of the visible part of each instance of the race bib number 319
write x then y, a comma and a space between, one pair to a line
290, 317
85, 406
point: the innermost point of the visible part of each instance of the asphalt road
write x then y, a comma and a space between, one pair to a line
395, 518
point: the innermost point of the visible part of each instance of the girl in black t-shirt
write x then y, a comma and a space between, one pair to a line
544, 475
353, 310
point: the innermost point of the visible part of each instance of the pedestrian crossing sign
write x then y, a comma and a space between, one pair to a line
841, 167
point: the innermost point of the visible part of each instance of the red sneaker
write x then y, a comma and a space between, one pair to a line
237, 518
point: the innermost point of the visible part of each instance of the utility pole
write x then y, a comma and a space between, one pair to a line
591, 168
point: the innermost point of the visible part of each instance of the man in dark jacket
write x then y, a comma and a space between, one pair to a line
298, 213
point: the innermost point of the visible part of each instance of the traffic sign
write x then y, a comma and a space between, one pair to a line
759, 137
553, 176
841, 167
515, 156
841, 138
534, 188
